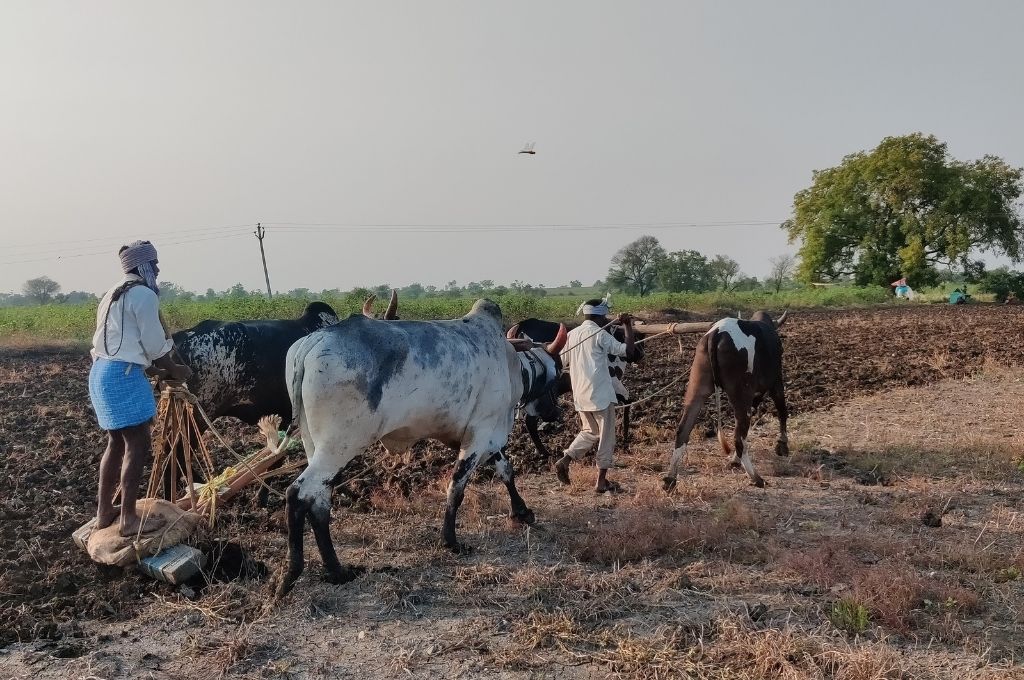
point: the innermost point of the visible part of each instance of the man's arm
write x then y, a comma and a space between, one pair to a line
155, 343
627, 326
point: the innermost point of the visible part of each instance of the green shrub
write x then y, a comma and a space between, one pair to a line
849, 615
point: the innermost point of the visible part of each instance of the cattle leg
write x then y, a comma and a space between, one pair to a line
310, 495
698, 389
779, 397
532, 426
456, 490
296, 510
503, 467
742, 409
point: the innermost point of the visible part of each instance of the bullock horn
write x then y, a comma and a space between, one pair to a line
368, 306
392, 310
782, 319
554, 348
513, 332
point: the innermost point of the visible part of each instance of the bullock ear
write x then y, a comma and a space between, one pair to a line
554, 348
392, 310
520, 344
368, 306
513, 332
782, 319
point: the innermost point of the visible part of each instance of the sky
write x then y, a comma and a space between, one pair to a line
394, 127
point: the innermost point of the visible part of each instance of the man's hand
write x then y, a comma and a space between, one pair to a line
624, 319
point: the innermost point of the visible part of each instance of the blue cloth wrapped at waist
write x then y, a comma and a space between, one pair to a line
120, 393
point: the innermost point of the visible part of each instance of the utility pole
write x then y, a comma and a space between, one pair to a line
260, 233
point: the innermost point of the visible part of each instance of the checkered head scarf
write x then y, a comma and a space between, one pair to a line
140, 255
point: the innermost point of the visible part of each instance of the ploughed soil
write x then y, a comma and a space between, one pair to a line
55, 603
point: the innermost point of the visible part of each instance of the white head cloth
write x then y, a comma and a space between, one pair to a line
596, 310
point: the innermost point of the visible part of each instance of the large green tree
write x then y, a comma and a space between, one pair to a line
40, 290
685, 270
724, 271
634, 268
903, 208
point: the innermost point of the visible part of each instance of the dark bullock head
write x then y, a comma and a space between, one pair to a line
542, 366
767, 318
317, 315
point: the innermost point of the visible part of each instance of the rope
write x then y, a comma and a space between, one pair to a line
652, 395
644, 339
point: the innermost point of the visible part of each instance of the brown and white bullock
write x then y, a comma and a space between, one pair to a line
743, 358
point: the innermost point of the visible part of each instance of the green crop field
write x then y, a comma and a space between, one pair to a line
76, 322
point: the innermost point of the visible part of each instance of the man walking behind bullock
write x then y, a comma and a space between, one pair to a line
592, 389
129, 339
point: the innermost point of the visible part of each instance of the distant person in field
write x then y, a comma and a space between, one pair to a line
592, 389
129, 339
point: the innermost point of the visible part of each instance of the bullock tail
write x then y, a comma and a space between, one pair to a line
712, 337
726, 449
295, 362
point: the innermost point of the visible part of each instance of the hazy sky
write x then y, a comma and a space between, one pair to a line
173, 120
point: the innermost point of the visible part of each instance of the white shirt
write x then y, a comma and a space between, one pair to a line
587, 361
134, 333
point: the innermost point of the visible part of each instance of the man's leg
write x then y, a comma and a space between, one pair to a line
138, 449
605, 448
110, 474
585, 440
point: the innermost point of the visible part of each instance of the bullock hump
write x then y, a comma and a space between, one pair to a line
484, 307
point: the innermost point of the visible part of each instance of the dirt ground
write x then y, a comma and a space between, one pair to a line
889, 545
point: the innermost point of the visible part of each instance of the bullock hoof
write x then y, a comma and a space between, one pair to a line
781, 449
344, 575
287, 583
526, 516
458, 548
735, 464
759, 483
668, 483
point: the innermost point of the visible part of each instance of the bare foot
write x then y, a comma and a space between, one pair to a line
607, 486
104, 520
130, 525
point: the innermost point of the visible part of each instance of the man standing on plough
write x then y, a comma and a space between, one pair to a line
593, 393
129, 339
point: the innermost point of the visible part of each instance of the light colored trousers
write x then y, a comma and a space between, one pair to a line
598, 428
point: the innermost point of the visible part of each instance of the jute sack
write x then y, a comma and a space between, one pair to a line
108, 546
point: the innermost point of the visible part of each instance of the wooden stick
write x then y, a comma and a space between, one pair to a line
174, 459
186, 446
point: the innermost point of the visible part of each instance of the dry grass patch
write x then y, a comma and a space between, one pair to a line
649, 526
909, 431
215, 653
727, 647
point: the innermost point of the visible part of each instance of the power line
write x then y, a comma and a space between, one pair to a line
63, 244
106, 251
328, 227
60, 250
